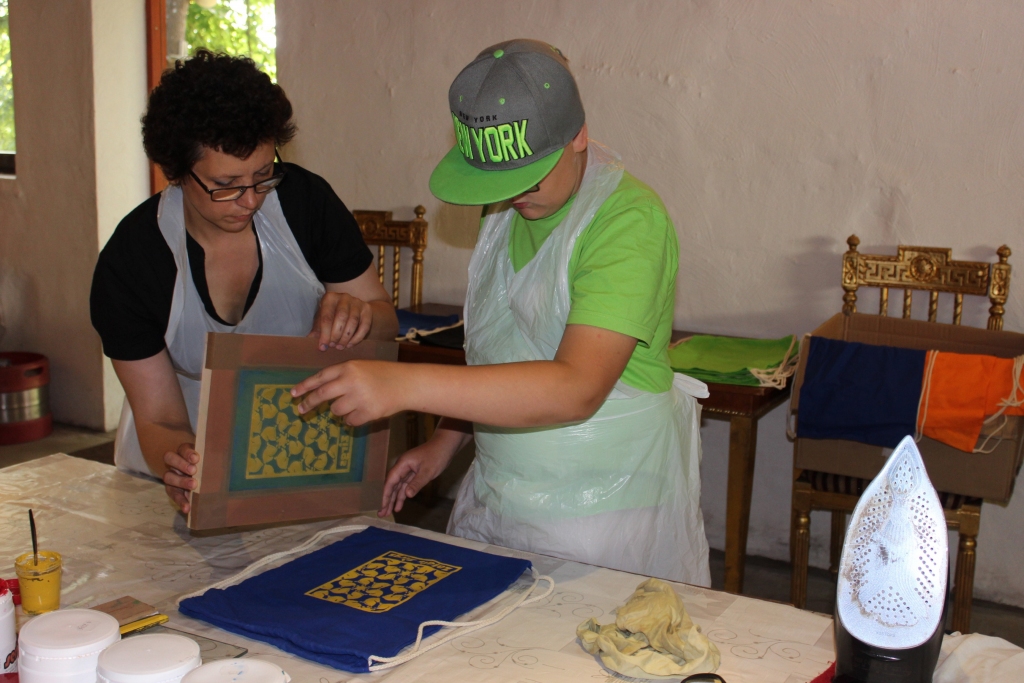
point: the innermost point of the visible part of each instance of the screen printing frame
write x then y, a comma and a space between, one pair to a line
214, 505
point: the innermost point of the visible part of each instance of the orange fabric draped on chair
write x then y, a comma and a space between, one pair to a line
960, 391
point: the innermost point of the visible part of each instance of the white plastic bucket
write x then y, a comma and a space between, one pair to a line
153, 658
8, 633
64, 646
238, 671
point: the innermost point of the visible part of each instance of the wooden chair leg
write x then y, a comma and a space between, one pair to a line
963, 584
838, 536
412, 430
429, 425
963, 578
801, 550
792, 534
800, 544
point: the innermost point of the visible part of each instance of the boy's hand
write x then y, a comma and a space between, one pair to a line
412, 472
360, 391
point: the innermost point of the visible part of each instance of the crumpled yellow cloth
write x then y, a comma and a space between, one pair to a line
652, 636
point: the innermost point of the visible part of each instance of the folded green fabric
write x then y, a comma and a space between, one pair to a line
727, 360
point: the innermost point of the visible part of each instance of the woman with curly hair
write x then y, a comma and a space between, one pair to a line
238, 242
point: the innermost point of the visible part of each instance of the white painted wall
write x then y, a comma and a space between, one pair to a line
771, 129
119, 100
79, 89
48, 240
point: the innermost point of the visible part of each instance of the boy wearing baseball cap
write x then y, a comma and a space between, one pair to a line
587, 445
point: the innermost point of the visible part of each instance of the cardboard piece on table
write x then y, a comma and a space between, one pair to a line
126, 609
260, 462
982, 475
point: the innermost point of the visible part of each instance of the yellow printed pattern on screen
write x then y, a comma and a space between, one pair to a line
384, 582
283, 443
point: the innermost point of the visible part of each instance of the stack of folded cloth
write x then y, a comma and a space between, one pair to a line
879, 394
732, 360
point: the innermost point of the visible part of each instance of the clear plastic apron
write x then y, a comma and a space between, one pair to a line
288, 298
619, 490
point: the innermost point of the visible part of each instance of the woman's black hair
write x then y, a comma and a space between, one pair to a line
216, 101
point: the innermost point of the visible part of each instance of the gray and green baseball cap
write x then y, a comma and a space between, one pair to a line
515, 107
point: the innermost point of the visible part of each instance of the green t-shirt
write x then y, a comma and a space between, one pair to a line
622, 274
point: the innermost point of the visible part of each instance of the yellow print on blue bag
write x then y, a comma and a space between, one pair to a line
283, 443
274, 447
384, 582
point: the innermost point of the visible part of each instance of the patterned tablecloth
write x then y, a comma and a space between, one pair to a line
119, 535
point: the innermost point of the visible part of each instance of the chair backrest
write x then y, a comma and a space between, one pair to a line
379, 229
930, 269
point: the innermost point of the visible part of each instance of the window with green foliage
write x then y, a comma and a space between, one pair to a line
235, 27
6, 85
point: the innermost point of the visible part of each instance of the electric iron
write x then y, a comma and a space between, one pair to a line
891, 593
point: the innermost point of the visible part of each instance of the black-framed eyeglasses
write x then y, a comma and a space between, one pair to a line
228, 194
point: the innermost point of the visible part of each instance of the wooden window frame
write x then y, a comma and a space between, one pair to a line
8, 158
156, 61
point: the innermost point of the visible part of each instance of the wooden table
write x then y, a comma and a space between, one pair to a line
741, 406
120, 535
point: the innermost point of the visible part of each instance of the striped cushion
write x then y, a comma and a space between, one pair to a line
839, 483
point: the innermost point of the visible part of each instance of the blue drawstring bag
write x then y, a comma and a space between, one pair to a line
364, 595
860, 392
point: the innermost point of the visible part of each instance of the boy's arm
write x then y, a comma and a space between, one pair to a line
569, 388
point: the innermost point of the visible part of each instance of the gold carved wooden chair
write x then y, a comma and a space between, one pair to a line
380, 230
912, 268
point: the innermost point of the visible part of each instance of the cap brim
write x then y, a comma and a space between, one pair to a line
456, 182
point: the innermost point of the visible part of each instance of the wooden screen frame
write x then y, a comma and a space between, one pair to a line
213, 504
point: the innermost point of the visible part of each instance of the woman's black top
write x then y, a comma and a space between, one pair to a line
133, 283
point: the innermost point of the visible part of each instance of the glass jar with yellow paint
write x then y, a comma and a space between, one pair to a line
39, 580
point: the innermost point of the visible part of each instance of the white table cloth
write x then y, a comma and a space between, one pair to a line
119, 535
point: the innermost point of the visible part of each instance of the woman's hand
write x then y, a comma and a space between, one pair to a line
413, 471
359, 390
178, 481
342, 321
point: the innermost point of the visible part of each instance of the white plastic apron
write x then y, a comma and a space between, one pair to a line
619, 490
286, 303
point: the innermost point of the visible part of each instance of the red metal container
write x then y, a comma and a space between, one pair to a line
24, 397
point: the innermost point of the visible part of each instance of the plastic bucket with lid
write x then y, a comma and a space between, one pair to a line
24, 397
238, 671
8, 634
152, 658
64, 646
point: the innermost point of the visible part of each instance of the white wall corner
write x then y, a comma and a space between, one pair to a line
119, 97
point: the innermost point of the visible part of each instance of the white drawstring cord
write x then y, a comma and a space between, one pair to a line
462, 627
791, 414
263, 562
411, 334
776, 377
926, 390
1016, 398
